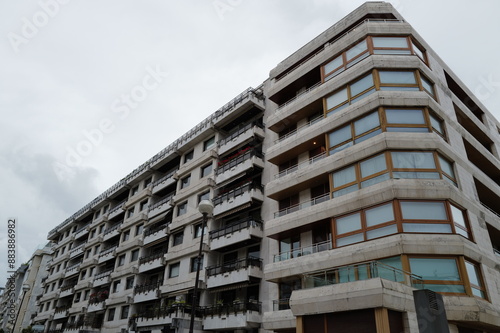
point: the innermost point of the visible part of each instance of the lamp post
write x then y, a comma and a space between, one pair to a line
205, 208
25, 288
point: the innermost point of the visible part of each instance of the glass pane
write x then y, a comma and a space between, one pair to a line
375, 180
400, 88
340, 135
415, 175
393, 262
344, 176
427, 85
397, 77
405, 116
387, 51
360, 97
380, 232
347, 274
355, 61
337, 109
373, 165
335, 73
458, 216
473, 274
379, 214
423, 210
340, 148
417, 51
348, 223
346, 190
334, 64
367, 136
392, 42
436, 124
478, 293
356, 50
350, 240
336, 99
413, 160
361, 85
435, 269
446, 288
437, 228
446, 166
408, 129
366, 123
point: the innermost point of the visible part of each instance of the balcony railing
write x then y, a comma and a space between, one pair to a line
234, 307
298, 129
299, 95
143, 288
364, 271
173, 310
237, 160
108, 250
164, 178
68, 286
77, 247
497, 252
112, 228
81, 228
302, 205
117, 207
72, 267
234, 266
229, 229
103, 274
62, 308
162, 201
154, 229
236, 192
301, 165
303, 251
239, 131
151, 257
281, 304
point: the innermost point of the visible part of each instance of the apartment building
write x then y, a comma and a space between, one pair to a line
360, 172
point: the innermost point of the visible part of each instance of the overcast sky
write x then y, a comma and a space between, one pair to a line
66, 75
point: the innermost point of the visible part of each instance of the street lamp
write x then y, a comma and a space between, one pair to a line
206, 208
25, 288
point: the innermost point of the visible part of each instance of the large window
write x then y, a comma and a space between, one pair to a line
406, 80
384, 120
396, 217
174, 270
391, 164
402, 45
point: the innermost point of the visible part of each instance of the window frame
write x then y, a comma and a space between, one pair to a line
182, 208
185, 182
209, 143
171, 269
203, 170
176, 237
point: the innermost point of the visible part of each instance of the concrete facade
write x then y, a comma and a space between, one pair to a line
361, 170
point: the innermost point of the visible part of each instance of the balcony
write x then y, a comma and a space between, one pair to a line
300, 166
102, 278
61, 312
78, 250
238, 315
240, 136
164, 315
98, 306
238, 164
302, 205
147, 292
82, 231
281, 304
155, 233
234, 198
67, 290
73, 269
235, 233
236, 271
117, 210
152, 261
161, 206
303, 251
111, 232
107, 253
164, 181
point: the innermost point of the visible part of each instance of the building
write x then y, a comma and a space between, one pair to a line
361, 171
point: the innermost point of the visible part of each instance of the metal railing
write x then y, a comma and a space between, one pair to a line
108, 250
151, 257
82, 228
164, 178
155, 229
173, 310
164, 200
240, 130
359, 272
237, 160
234, 307
72, 267
236, 192
68, 286
240, 225
281, 304
302, 205
299, 95
300, 128
112, 228
103, 274
234, 265
301, 165
117, 207
76, 248
497, 252
490, 210
64, 308
144, 288
303, 251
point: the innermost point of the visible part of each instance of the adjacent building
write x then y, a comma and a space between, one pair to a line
360, 171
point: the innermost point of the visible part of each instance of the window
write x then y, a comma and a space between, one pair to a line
409, 216
209, 143
134, 190
174, 270
143, 205
126, 235
148, 181
350, 94
182, 209
178, 238
101, 228
185, 181
77, 297
134, 256
206, 170
194, 264
474, 275
198, 230
393, 164
204, 196
139, 229
86, 295
121, 260
129, 283
96, 249
439, 274
111, 314
116, 286
130, 212
83, 274
188, 156
97, 214
105, 209
124, 314
91, 271
92, 233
